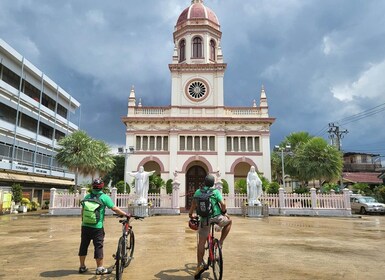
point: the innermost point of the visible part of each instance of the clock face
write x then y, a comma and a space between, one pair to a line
197, 90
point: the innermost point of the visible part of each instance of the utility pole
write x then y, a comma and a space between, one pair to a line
335, 134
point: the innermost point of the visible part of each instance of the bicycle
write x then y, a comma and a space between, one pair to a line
126, 244
214, 256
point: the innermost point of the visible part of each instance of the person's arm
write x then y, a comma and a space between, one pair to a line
222, 204
118, 211
192, 208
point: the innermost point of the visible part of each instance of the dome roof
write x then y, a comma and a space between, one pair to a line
197, 11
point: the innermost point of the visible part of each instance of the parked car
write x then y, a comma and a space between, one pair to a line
366, 204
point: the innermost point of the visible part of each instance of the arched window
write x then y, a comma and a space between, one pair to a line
182, 50
212, 50
197, 48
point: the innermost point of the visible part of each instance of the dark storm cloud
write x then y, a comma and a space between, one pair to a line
320, 61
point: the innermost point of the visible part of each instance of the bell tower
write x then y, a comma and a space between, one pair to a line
197, 67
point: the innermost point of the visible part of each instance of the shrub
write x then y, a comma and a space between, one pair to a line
17, 193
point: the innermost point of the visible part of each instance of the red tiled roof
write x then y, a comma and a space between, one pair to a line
197, 11
362, 177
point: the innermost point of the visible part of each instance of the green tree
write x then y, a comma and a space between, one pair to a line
241, 186
17, 193
84, 155
380, 193
117, 173
225, 185
362, 188
273, 187
169, 186
155, 183
120, 187
316, 160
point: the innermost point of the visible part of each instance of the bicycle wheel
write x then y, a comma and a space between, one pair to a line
119, 258
129, 248
217, 264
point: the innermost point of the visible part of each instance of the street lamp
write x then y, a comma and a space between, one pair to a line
127, 152
282, 150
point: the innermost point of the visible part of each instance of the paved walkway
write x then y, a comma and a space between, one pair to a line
41, 247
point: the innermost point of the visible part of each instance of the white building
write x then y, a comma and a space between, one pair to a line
197, 134
35, 113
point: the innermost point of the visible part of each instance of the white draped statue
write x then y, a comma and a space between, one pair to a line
141, 184
254, 187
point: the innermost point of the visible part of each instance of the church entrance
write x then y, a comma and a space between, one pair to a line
195, 177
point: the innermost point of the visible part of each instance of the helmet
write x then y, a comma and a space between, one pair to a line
209, 180
98, 184
193, 224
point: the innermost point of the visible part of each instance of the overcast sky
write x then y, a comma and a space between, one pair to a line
320, 61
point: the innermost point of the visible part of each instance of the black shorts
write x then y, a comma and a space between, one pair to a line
97, 237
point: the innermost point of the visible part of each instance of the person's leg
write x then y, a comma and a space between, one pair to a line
98, 253
203, 232
226, 224
83, 248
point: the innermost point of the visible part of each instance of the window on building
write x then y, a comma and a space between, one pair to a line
228, 140
182, 50
204, 143
197, 48
189, 143
165, 143
250, 147
243, 144
256, 144
152, 143
236, 144
138, 143
62, 111
212, 143
11, 78
182, 143
197, 143
212, 50
145, 143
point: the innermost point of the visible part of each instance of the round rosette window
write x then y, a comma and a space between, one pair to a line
197, 90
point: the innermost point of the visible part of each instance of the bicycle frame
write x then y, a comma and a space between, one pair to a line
125, 250
214, 258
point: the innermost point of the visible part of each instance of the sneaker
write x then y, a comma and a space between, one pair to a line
83, 269
102, 270
198, 272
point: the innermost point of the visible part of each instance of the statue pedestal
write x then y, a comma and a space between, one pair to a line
138, 210
254, 211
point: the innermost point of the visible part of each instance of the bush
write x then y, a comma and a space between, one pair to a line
225, 185
17, 193
241, 186
169, 186
273, 187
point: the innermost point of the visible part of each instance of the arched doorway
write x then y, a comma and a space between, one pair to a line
195, 177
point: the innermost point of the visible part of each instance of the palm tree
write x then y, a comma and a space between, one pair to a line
83, 155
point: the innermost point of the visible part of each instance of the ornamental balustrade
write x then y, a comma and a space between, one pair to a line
310, 204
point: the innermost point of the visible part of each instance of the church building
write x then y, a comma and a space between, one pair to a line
197, 134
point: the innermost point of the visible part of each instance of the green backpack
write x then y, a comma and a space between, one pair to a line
91, 209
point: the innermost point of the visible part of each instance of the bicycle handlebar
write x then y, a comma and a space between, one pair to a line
129, 216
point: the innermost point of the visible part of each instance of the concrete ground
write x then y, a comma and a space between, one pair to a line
43, 247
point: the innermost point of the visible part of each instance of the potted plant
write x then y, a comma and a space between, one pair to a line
17, 194
24, 205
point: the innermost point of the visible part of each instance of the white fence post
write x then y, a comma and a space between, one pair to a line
313, 195
281, 198
52, 197
114, 193
346, 194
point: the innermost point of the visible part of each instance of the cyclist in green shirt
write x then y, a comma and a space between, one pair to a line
218, 216
95, 232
